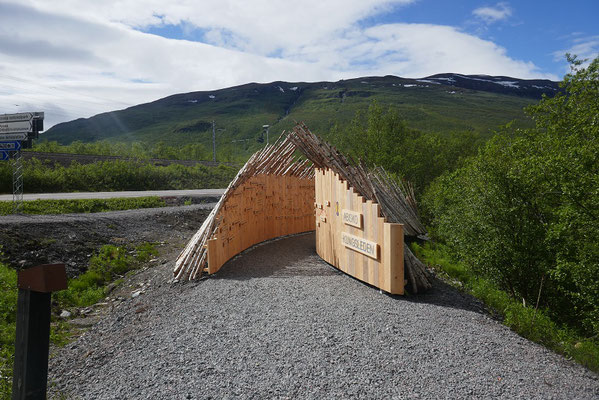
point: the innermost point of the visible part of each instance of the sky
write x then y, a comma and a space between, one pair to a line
77, 58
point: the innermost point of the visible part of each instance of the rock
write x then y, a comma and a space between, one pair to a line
111, 287
135, 294
65, 314
86, 311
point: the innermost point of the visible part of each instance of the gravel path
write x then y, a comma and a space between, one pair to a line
277, 322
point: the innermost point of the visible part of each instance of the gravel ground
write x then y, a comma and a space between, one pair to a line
278, 322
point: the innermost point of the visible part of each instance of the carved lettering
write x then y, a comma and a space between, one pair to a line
360, 245
352, 218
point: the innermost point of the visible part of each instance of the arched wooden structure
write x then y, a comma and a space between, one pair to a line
360, 215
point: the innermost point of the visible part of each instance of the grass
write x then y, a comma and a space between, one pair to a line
8, 313
527, 321
83, 205
110, 264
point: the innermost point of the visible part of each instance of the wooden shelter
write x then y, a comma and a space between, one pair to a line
274, 195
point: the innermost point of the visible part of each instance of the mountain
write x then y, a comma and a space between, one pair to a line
443, 102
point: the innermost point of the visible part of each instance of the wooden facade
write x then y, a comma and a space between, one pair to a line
352, 235
264, 207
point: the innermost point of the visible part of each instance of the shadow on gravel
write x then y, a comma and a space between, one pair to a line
445, 295
296, 256
278, 258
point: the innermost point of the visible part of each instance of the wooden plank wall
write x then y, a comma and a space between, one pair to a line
264, 207
383, 268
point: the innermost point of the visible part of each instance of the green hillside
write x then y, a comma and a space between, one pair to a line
242, 111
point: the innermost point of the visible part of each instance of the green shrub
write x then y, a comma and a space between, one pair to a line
145, 251
524, 212
110, 263
8, 314
104, 267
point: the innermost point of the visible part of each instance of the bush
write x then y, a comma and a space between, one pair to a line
382, 138
110, 263
524, 212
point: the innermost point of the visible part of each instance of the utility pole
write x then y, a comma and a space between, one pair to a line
267, 127
213, 142
18, 131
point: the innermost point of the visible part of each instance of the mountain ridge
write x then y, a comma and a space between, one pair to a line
441, 102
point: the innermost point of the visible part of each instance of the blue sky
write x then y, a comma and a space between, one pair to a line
540, 31
76, 58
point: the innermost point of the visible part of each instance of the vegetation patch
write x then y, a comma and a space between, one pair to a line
115, 176
8, 315
523, 213
109, 264
83, 205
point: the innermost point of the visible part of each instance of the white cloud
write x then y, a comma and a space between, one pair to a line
78, 58
421, 50
585, 47
256, 26
493, 14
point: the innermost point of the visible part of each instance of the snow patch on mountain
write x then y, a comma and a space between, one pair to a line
511, 84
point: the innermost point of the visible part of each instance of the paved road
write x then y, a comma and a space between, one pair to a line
109, 195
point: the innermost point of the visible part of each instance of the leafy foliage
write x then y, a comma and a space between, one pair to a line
191, 151
524, 212
383, 138
110, 263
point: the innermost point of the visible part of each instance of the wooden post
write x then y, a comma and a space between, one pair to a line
32, 343
394, 242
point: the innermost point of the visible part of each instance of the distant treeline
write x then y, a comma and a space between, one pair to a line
115, 176
192, 151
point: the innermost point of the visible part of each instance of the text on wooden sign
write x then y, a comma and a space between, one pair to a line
360, 245
352, 218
